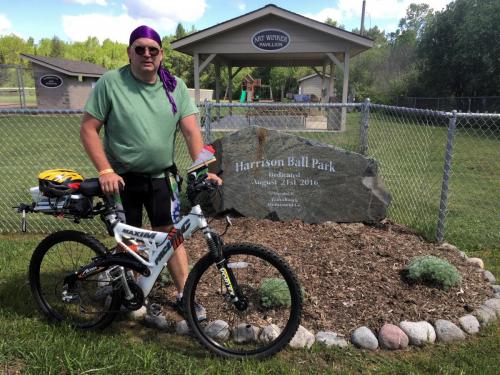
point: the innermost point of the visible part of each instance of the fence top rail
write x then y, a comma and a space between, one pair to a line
413, 110
437, 113
281, 105
19, 111
478, 115
447, 97
16, 88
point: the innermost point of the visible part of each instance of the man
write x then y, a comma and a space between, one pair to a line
141, 106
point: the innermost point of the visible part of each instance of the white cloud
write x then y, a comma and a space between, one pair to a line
242, 6
324, 14
116, 28
5, 24
162, 15
88, 2
383, 13
167, 11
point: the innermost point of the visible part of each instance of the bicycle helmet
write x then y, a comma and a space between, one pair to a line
59, 182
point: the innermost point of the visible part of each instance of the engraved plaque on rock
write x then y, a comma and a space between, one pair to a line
277, 175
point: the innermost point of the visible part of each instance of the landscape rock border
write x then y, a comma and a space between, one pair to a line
390, 336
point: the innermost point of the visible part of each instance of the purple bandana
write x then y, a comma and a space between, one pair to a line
166, 77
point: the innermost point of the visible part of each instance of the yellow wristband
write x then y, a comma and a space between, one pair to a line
106, 171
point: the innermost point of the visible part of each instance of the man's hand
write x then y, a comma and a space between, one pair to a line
214, 177
111, 183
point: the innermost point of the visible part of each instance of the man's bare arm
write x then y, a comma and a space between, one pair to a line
89, 135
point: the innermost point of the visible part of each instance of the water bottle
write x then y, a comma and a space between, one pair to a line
35, 193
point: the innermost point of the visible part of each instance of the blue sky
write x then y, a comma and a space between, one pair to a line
75, 20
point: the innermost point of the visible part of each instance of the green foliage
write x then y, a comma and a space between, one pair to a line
57, 47
274, 292
334, 23
445, 53
108, 54
180, 32
457, 51
433, 271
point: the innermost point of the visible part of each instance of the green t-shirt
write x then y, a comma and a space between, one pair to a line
139, 125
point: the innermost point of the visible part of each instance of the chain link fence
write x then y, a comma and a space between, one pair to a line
441, 168
37, 140
468, 104
13, 90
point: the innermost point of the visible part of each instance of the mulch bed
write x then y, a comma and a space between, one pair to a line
351, 273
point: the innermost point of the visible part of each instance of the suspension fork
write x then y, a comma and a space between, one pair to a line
215, 244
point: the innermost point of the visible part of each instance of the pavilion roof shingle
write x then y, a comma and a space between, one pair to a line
69, 67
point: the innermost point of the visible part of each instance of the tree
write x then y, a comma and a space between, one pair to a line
56, 48
178, 63
370, 72
44, 47
283, 80
10, 48
334, 23
459, 50
180, 32
411, 27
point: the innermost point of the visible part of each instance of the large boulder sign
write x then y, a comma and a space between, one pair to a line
271, 174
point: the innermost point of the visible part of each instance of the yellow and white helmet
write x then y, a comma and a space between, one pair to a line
59, 182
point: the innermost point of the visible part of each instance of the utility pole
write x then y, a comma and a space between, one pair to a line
362, 27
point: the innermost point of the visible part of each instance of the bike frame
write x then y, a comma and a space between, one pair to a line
158, 246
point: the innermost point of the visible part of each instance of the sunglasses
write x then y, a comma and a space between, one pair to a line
141, 50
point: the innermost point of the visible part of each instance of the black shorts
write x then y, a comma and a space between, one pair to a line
144, 191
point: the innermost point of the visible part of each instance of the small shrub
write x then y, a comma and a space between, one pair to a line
433, 271
274, 293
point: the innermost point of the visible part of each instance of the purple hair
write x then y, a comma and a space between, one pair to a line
168, 80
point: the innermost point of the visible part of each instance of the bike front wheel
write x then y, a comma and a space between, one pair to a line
266, 315
89, 302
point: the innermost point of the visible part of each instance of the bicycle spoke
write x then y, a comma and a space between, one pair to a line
256, 272
82, 303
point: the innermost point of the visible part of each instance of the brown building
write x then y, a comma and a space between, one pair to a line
61, 83
272, 36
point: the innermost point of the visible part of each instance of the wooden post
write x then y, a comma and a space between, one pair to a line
196, 60
217, 82
217, 88
324, 98
331, 81
230, 82
345, 90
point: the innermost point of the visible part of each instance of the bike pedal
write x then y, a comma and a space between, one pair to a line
70, 298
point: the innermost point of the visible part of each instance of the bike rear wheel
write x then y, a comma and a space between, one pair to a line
270, 315
91, 302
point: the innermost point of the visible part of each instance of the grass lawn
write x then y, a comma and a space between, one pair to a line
411, 162
14, 100
31, 345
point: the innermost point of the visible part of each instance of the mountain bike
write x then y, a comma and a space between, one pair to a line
251, 295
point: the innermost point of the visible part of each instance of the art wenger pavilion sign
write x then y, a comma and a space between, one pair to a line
270, 40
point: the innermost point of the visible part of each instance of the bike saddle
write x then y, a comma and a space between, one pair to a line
90, 187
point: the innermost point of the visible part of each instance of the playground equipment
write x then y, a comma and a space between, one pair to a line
252, 90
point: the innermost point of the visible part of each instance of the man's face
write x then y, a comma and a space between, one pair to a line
142, 55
